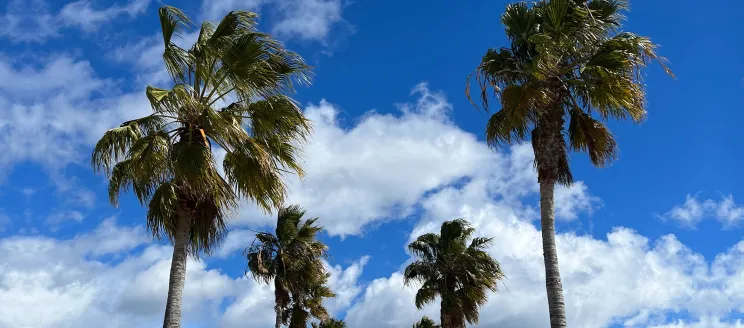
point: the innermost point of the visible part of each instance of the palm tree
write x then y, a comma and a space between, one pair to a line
426, 323
567, 59
460, 274
292, 259
166, 157
330, 323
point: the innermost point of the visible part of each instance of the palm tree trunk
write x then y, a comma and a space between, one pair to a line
278, 322
443, 317
448, 319
556, 305
280, 299
177, 275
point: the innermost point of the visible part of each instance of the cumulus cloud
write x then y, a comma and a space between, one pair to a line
310, 20
381, 167
113, 274
32, 21
49, 111
88, 17
624, 278
694, 210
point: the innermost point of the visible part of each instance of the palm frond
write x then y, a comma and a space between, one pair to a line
251, 171
177, 60
460, 275
589, 135
161, 211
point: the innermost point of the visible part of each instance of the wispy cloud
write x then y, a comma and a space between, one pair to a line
33, 22
85, 15
308, 20
694, 210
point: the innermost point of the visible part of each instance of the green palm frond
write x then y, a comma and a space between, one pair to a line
144, 168
448, 268
250, 170
166, 158
426, 294
224, 130
161, 211
566, 59
591, 136
292, 258
235, 23
177, 60
330, 323
113, 146
426, 323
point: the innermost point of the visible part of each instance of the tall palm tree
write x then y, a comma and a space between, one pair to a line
292, 259
330, 323
166, 157
426, 323
567, 59
460, 274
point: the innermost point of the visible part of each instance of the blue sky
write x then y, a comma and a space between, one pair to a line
652, 241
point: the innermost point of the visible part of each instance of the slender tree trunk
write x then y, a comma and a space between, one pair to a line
553, 284
177, 274
448, 319
277, 299
551, 159
443, 317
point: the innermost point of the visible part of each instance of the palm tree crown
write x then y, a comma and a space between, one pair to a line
426, 322
166, 157
567, 58
459, 273
292, 259
330, 323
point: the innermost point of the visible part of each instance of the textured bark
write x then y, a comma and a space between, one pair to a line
278, 322
551, 161
448, 317
553, 284
444, 317
277, 300
177, 275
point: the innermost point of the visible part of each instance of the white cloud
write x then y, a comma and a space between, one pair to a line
727, 211
50, 116
345, 283
312, 20
68, 283
32, 21
624, 279
694, 210
83, 14
58, 217
379, 168
355, 176
28, 21
569, 201
707, 322
689, 213
308, 19
236, 240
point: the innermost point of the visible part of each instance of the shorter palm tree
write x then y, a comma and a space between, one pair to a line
426, 323
460, 274
292, 259
330, 323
